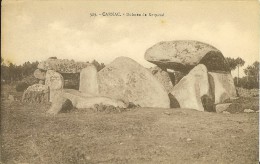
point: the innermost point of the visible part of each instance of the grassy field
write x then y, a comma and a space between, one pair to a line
141, 135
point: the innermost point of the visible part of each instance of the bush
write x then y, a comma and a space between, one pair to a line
30, 80
248, 83
20, 87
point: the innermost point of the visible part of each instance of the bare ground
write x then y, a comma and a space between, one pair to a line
141, 135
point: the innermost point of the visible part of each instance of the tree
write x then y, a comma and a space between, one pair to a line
253, 71
97, 65
240, 62
232, 63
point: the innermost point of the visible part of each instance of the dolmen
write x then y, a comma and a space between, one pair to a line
119, 84
188, 74
206, 77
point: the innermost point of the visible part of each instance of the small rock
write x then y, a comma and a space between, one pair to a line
248, 111
168, 113
222, 107
189, 139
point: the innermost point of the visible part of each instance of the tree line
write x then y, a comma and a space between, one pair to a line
12, 73
251, 80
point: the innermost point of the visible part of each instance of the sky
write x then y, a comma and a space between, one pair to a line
36, 30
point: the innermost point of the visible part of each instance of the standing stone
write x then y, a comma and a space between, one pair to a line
127, 80
55, 82
89, 80
193, 90
222, 86
39, 74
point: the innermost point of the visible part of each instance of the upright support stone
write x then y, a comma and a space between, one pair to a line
222, 85
55, 82
89, 80
193, 91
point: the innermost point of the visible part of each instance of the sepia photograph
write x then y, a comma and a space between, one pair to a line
129, 82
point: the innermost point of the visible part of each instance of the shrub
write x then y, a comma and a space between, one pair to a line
22, 86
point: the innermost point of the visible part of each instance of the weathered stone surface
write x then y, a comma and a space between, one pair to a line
36, 93
127, 80
222, 107
83, 100
89, 80
55, 82
183, 55
39, 74
60, 104
63, 65
193, 90
163, 77
222, 86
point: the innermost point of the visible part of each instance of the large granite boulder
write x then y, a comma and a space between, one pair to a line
127, 80
193, 91
84, 100
89, 80
55, 82
62, 65
183, 55
36, 93
222, 86
164, 77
